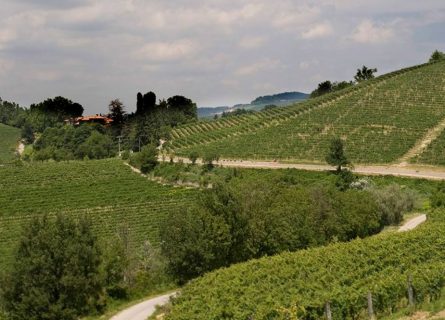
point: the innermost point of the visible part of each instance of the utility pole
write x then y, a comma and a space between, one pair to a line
120, 138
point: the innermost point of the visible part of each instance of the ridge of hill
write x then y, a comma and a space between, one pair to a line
380, 120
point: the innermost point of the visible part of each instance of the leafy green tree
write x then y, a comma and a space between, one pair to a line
96, 146
56, 271
364, 74
437, 56
194, 242
336, 155
193, 156
60, 106
27, 133
146, 160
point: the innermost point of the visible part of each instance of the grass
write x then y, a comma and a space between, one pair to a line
105, 190
9, 137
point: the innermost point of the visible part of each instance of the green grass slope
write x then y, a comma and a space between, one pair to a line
342, 274
380, 120
107, 191
9, 137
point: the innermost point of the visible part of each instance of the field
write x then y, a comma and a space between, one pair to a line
9, 137
342, 274
380, 120
434, 154
107, 191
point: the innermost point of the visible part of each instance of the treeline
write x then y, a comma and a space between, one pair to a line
240, 220
48, 121
361, 75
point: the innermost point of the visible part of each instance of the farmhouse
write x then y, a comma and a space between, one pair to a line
98, 118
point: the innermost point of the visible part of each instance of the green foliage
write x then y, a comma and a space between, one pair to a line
193, 156
328, 87
244, 219
394, 202
106, 190
438, 197
437, 56
117, 112
12, 114
60, 107
341, 273
364, 74
27, 134
336, 155
236, 113
146, 160
381, 119
68, 143
56, 271
8, 143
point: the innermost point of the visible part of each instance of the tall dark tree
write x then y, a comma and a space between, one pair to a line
336, 155
117, 112
56, 272
149, 101
364, 74
139, 103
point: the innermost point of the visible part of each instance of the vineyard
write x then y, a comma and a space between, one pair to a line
9, 137
107, 191
342, 274
434, 154
380, 119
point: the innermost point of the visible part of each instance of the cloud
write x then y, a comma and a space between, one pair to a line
369, 32
318, 31
168, 51
259, 66
252, 42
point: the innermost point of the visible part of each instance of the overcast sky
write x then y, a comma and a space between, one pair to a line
216, 52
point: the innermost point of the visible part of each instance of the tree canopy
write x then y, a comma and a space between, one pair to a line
60, 106
437, 56
364, 74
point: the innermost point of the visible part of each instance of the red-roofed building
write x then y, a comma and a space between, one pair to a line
98, 118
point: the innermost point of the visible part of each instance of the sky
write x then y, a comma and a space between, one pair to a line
216, 52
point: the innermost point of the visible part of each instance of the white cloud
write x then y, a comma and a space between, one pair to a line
318, 31
167, 51
252, 42
260, 66
369, 32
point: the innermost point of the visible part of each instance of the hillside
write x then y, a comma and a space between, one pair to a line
380, 120
9, 137
107, 191
342, 274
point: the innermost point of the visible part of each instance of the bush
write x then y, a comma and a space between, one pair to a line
394, 202
146, 160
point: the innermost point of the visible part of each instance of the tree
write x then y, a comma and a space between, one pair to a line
145, 103
364, 74
323, 88
116, 108
193, 156
183, 104
27, 133
59, 106
147, 159
437, 56
336, 156
56, 271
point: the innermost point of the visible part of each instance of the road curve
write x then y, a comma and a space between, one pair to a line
413, 223
143, 310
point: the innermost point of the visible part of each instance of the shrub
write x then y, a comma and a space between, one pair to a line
193, 156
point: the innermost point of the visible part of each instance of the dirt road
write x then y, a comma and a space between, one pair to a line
430, 173
143, 310
413, 223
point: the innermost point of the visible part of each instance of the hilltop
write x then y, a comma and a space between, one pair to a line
380, 120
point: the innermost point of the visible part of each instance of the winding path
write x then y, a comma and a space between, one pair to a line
143, 310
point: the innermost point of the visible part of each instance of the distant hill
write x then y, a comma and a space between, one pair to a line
280, 99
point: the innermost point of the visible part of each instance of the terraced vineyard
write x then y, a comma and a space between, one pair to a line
342, 274
434, 154
380, 120
9, 137
106, 190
